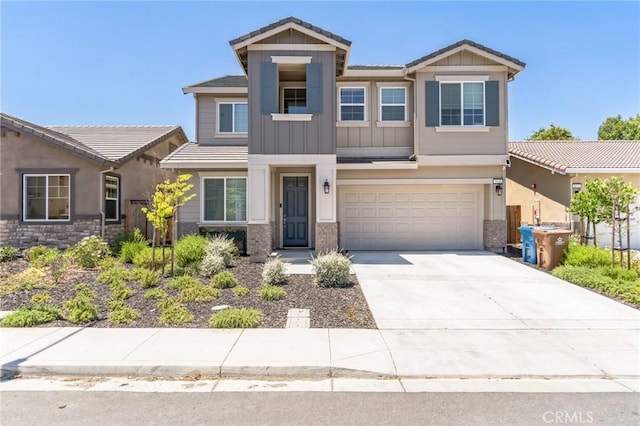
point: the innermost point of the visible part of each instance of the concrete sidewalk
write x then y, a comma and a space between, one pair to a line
315, 353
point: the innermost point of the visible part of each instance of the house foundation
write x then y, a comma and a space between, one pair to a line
259, 241
494, 235
326, 236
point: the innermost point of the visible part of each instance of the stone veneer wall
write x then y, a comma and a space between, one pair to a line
16, 234
494, 235
326, 236
259, 241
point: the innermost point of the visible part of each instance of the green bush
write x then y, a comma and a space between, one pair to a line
120, 291
29, 317
332, 269
148, 278
579, 255
108, 263
183, 281
155, 293
41, 256
597, 279
172, 312
120, 313
236, 318
81, 308
224, 246
224, 279
41, 299
8, 254
89, 251
113, 275
27, 280
130, 249
198, 293
618, 273
126, 237
145, 257
272, 293
274, 272
190, 250
212, 265
240, 291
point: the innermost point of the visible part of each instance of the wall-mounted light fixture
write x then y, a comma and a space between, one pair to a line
326, 186
498, 182
577, 187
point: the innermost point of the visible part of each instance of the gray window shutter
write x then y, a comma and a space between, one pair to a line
492, 100
268, 87
314, 88
432, 103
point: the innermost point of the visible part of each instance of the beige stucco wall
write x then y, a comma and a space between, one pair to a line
29, 152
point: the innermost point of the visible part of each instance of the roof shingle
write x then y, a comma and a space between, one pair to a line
460, 43
193, 155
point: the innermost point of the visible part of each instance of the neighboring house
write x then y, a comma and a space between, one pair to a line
62, 183
544, 175
305, 150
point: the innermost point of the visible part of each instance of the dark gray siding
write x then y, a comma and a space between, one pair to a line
290, 137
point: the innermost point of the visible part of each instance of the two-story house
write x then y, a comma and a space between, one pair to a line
305, 150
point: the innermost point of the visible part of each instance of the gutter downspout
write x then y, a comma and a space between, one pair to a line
415, 114
101, 200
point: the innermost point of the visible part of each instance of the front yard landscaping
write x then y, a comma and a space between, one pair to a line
85, 285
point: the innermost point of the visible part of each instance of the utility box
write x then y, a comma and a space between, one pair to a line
551, 246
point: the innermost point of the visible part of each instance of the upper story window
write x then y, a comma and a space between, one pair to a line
224, 199
393, 104
294, 100
352, 104
111, 198
233, 117
462, 104
46, 197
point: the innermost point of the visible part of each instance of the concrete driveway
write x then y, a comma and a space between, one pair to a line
485, 313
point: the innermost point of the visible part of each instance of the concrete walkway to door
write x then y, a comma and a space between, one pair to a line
484, 312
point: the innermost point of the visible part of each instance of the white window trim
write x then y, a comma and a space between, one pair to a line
291, 59
202, 200
382, 122
458, 126
117, 199
233, 102
24, 197
364, 105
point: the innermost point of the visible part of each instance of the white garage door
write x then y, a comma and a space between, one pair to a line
410, 217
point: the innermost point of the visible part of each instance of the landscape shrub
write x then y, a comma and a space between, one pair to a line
108, 263
121, 313
618, 273
113, 275
272, 293
29, 317
89, 251
212, 265
144, 258
155, 293
224, 279
198, 293
148, 278
240, 291
181, 282
43, 298
81, 308
7, 254
41, 256
120, 291
579, 255
172, 312
627, 290
190, 250
332, 269
223, 246
127, 237
130, 249
274, 272
27, 280
236, 318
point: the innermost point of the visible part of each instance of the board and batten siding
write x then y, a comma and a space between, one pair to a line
433, 142
372, 135
190, 212
292, 137
207, 116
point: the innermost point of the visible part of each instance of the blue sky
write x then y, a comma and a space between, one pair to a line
125, 63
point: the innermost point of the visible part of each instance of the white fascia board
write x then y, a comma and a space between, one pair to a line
426, 181
202, 165
291, 159
215, 90
379, 165
472, 49
291, 59
287, 26
292, 46
603, 170
462, 160
374, 73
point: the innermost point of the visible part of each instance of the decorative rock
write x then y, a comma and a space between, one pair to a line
220, 308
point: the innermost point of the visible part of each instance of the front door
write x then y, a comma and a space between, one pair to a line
295, 207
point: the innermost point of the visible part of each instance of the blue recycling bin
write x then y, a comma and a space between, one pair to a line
529, 246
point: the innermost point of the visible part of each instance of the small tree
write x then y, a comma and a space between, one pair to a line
169, 196
615, 128
617, 198
551, 133
587, 205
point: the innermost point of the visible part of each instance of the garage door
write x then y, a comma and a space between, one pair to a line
410, 217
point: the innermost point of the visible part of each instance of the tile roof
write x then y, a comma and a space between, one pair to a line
193, 155
579, 156
290, 19
460, 43
119, 143
224, 81
52, 136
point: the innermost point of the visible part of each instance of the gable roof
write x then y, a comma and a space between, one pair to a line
580, 156
120, 143
53, 137
511, 62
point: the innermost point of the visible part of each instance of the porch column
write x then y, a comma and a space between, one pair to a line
326, 208
258, 226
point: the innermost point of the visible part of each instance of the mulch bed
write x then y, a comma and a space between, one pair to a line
329, 307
